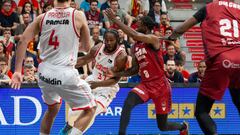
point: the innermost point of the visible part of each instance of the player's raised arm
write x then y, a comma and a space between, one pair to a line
88, 57
30, 32
84, 30
147, 38
187, 24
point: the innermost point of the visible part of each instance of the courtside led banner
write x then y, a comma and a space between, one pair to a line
21, 113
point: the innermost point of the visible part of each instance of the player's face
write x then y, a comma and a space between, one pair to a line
110, 42
141, 28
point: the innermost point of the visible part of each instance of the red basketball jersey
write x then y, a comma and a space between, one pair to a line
150, 62
221, 27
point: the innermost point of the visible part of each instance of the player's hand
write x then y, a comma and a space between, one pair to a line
84, 76
16, 80
93, 84
110, 14
110, 73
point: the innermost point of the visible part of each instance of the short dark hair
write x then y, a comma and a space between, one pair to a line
113, 1
157, 1
148, 22
62, 1
114, 32
91, 1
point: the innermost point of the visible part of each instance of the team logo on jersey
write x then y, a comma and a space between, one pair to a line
110, 61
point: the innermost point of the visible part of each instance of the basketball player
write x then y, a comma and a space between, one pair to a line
107, 56
60, 29
148, 60
220, 23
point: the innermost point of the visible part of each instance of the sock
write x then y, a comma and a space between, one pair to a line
76, 131
43, 134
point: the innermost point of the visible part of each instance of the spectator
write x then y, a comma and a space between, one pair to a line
95, 36
156, 12
171, 54
172, 74
27, 8
28, 54
8, 18
180, 68
47, 6
29, 75
36, 6
124, 42
123, 15
28, 61
8, 43
2, 50
163, 7
5, 73
176, 44
85, 5
136, 22
105, 5
73, 4
198, 76
20, 28
163, 26
94, 17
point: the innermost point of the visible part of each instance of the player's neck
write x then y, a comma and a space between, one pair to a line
61, 5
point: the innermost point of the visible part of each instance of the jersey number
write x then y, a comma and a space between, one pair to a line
227, 25
101, 77
54, 43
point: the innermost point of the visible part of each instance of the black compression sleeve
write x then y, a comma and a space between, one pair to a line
201, 14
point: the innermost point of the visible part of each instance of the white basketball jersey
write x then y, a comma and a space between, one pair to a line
59, 41
104, 62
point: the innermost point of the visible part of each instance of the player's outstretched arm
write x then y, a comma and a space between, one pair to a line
88, 57
146, 38
185, 26
198, 17
120, 65
30, 32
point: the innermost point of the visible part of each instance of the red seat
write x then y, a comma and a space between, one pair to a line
194, 43
195, 49
192, 35
198, 57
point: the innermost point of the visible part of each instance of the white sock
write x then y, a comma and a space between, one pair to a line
43, 134
76, 131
